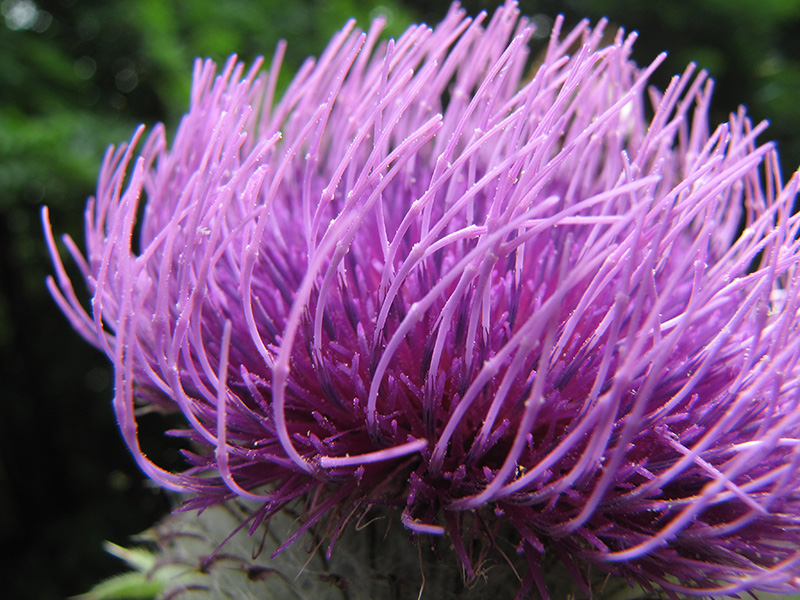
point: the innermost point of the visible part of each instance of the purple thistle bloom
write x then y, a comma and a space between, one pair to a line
426, 279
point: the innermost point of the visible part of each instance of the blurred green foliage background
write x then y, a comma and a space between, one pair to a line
76, 76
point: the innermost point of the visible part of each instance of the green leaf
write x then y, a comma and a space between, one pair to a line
139, 559
128, 586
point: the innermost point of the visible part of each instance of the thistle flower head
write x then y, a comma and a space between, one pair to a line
431, 277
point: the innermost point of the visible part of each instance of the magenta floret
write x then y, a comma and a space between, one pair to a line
429, 277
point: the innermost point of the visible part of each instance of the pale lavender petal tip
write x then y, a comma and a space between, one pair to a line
430, 277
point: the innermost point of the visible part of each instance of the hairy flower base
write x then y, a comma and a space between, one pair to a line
422, 279
187, 556
192, 556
